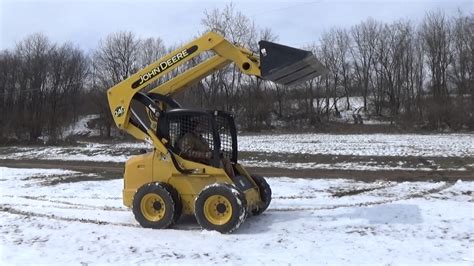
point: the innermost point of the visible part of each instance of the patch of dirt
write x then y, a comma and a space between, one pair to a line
353, 192
432, 163
110, 170
102, 170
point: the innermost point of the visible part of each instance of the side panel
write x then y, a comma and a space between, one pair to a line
138, 171
162, 167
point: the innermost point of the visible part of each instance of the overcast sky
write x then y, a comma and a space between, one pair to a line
295, 22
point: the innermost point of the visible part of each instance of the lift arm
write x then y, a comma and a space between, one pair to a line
278, 63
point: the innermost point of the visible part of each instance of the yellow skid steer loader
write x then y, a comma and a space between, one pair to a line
193, 168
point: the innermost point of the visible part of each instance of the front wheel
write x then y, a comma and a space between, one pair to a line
220, 207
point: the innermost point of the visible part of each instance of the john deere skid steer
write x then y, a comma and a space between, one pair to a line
165, 183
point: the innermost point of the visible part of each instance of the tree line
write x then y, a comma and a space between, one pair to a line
413, 75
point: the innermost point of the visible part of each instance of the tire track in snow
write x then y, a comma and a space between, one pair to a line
9, 209
74, 197
79, 206
338, 193
353, 192
70, 207
107, 208
370, 203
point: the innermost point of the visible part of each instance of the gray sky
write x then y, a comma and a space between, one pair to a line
85, 22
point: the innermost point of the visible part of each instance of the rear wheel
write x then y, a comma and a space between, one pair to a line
220, 207
153, 206
265, 194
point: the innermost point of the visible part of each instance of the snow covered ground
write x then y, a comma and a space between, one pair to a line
83, 127
437, 145
309, 222
421, 147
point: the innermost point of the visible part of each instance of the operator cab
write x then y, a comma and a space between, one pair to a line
173, 123
217, 129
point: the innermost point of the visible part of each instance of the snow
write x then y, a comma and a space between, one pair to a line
333, 221
81, 127
442, 145
437, 145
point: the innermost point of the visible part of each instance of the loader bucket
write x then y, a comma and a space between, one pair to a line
287, 65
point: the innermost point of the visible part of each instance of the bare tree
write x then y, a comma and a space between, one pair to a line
116, 59
10, 70
365, 36
342, 50
40, 82
150, 50
238, 29
462, 71
436, 42
34, 52
332, 60
68, 72
228, 88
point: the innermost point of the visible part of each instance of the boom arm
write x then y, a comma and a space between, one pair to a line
280, 64
120, 95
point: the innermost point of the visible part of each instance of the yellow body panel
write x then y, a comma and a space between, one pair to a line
138, 171
155, 167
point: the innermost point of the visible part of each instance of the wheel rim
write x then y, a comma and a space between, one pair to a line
152, 207
217, 210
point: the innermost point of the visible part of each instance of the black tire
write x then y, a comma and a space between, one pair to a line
265, 193
154, 206
178, 204
220, 207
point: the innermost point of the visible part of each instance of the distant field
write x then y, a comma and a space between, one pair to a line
361, 152
436, 145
